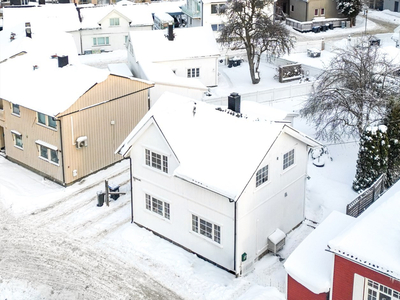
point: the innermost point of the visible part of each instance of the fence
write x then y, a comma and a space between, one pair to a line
308, 25
366, 198
269, 96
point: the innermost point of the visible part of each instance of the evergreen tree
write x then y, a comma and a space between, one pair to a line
392, 121
372, 157
349, 8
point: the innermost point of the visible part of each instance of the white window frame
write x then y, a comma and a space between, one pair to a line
262, 176
156, 160
16, 110
159, 207
316, 12
106, 41
47, 121
201, 225
17, 136
373, 288
193, 73
216, 8
288, 159
322, 10
50, 150
114, 22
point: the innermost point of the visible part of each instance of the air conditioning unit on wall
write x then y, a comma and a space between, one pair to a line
81, 142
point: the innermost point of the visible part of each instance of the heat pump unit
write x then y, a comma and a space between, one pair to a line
81, 142
276, 241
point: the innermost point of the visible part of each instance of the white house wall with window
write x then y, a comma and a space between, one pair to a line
106, 28
219, 191
192, 56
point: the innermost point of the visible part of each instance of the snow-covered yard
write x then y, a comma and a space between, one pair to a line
55, 243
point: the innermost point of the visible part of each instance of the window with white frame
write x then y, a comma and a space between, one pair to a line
217, 27
156, 160
17, 137
207, 229
159, 207
126, 39
322, 11
114, 21
316, 12
46, 120
288, 159
377, 291
262, 176
47, 151
15, 109
217, 8
193, 72
101, 41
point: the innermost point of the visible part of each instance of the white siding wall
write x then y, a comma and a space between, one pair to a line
185, 199
263, 209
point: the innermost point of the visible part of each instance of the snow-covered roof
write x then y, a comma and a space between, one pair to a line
310, 264
45, 17
212, 145
45, 88
138, 15
374, 239
120, 69
189, 43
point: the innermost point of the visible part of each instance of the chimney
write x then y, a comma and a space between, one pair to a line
62, 61
234, 102
171, 32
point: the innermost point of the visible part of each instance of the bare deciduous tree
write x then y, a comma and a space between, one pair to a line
249, 27
351, 93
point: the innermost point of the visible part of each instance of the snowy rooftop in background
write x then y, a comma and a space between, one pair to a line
49, 17
219, 140
310, 264
120, 70
374, 239
189, 43
20, 81
136, 14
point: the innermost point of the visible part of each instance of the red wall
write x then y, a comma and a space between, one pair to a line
296, 291
343, 278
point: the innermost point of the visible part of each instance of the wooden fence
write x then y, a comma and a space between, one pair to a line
366, 198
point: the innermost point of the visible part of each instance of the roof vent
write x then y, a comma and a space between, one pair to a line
234, 102
62, 61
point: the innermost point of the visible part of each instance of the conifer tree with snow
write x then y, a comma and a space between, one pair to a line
392, 121
250, 26
372, 157
349, 8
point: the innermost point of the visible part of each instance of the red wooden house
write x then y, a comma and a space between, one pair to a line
364, 257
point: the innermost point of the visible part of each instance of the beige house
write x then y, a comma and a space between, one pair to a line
308, 10
65, 122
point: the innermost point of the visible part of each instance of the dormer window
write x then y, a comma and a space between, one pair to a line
114, 21
156, 160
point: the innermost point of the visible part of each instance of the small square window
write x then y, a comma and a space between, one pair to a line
15, 109
41, 118
18, 140
114, 21
51, 122
288, 159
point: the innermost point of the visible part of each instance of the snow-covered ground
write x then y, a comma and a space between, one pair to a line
55, 243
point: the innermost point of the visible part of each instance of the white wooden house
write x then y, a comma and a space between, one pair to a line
182, 60
215, 181
106, 28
